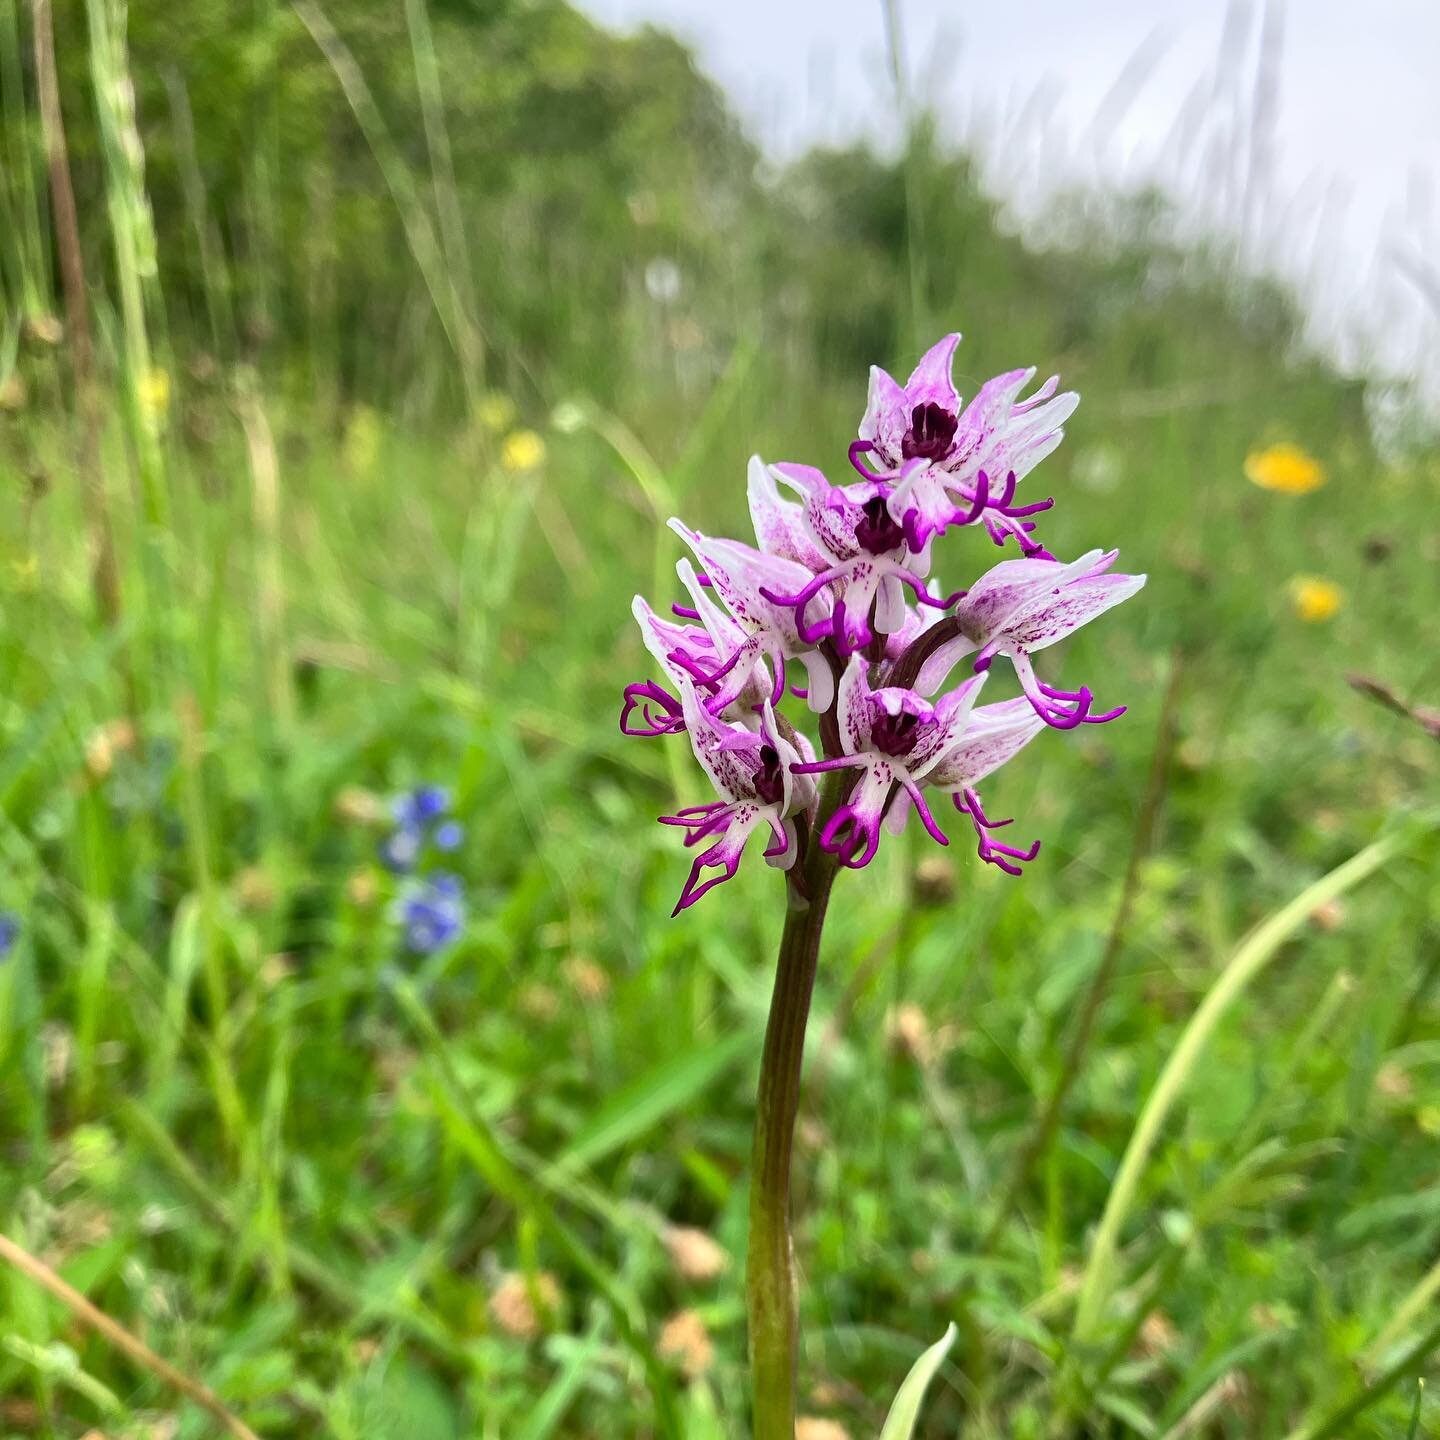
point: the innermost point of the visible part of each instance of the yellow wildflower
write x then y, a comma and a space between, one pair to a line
1285, 468
153, 393
361, 443
1315, 600
522, 451
495, 410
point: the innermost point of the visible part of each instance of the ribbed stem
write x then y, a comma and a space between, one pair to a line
770, 1277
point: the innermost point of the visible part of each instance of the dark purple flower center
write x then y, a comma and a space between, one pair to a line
896, 734
770, 777
877, 532
931, 433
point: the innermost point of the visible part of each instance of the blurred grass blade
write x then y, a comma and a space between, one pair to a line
486, 1150
1340, 1421
648, 1100
545, 1419
424, 244
1247, 962
905, 1412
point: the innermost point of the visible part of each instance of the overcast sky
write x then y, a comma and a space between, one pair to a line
1344, 145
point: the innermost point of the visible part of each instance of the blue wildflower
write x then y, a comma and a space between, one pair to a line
400, 850
421, 806
9, 933
432, 913
418, 820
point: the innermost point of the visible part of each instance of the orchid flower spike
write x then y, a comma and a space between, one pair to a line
840, 580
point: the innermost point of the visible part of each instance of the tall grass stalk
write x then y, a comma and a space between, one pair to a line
26, 247
425, 246
1253, 955
458, 267
104, 565
132, 234
269, 582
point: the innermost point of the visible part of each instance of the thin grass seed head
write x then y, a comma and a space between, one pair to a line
840, 584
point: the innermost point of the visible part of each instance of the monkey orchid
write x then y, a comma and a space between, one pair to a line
951, 466
893, 737
761, 782
1022, 606
839, 580
865, 559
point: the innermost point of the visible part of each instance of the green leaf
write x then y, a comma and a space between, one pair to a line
900, 1422
545, 1419
647, 1100
414, 1405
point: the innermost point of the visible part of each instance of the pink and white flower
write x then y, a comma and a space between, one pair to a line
860, 557
840, 580
1021, 606
894, 737
950, 466
759, 777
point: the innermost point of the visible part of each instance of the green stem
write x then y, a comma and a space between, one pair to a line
770, 1278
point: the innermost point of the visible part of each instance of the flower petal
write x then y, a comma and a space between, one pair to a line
992, 735
830, 512
739, 573
1044, 620
998, 433
952, 712
930, 382
886, 418
663, 638
780, 524
1006, 589
853, 709
725, 751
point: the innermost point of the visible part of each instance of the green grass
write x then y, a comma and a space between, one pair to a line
301, 1163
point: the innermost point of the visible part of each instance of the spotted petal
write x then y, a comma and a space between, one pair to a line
1042, 619
780, 527
886, 418
991, 736
726, 752
740, 574
999, 433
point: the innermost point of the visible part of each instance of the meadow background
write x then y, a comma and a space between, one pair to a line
410, 325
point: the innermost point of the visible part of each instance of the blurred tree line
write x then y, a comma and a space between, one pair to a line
612, 215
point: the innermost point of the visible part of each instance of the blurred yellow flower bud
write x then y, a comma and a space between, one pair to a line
495, 410
1315, 600
522, 451
1285, 468
153, 394
361, 444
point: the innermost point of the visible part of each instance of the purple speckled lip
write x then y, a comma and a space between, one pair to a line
841, 580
